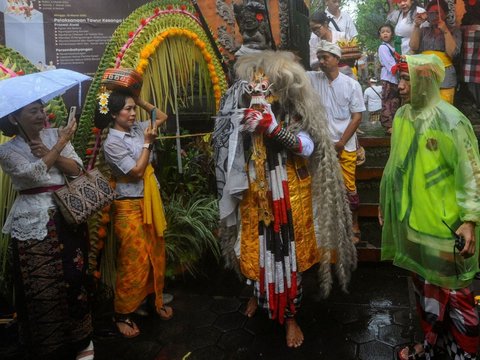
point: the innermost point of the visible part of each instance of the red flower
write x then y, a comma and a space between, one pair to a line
183, 7
259, 16
89, 151
130, 34
20, 72
120, 55
143, 22
169, 7
96, 130
51, 116
156, 11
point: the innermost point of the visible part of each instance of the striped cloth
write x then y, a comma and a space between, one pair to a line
449, 319
471, 53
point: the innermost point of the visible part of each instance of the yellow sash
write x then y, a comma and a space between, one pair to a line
442, 55
153, 211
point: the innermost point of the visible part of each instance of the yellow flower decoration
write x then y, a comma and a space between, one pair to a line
150, 48
103, 102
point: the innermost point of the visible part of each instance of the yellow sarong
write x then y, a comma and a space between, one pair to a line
140, 258
348, 164
446, 94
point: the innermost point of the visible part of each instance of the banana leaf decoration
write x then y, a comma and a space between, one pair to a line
164, 41
14, 64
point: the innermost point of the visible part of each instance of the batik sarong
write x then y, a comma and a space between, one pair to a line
140, 259
51, 299
449, 319
390, 103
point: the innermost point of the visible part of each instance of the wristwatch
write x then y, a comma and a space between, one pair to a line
148, 146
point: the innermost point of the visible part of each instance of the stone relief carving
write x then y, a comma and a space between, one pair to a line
227, 40
284, 23
225, 11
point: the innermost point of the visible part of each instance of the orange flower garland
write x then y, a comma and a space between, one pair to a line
150, 48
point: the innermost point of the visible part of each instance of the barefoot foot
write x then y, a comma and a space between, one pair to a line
252, 306
294, 333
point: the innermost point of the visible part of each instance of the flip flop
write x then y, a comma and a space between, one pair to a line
164, 310
125, 320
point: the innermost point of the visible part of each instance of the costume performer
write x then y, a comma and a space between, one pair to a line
283, 205
432, 183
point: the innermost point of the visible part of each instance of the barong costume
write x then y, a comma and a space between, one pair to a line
290, 212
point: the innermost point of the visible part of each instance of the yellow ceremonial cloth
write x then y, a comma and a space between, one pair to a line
140, 258
348, 164
448, 94
442, 55
154, 212
302, 213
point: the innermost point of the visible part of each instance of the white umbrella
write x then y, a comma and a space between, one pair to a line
19, 91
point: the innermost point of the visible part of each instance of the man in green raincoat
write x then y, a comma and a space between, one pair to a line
429, 198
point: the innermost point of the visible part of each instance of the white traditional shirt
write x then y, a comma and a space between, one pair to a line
342, 97
345, 24
373, 99
29, 216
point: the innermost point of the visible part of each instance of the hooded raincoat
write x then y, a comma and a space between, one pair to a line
432, 176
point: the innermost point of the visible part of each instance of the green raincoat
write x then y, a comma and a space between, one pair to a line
432, 174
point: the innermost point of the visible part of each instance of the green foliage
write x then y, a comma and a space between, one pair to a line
371, 14
191, 208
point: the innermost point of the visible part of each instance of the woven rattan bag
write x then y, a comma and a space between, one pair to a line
83, 196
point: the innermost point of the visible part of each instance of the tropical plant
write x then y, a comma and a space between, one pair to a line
371, 14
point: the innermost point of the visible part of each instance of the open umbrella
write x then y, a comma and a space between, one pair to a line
19, 91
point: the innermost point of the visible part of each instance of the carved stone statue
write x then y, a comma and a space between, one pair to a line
253, 24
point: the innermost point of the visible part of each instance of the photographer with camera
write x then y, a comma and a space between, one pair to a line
429, 198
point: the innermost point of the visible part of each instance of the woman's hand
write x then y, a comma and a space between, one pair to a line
467, 231
442, 25
419, 20
65, 134
38, 148
150, 134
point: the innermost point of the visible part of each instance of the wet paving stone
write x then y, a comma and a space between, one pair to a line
223, 305
359, 332
235, 339
375, 350
208, 353
202, 318
392, 335
232, 321
403, 317
202, 337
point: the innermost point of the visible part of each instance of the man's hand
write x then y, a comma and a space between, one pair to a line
467, 230
339, 146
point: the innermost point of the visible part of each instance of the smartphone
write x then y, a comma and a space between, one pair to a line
71, 114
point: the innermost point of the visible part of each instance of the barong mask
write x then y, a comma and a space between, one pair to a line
259, 89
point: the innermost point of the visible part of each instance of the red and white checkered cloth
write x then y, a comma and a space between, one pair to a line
471, 53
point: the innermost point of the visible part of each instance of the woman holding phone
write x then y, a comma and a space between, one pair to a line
440, 39
139, 219
49, 255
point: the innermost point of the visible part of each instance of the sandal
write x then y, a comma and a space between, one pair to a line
409, 352
87, 353
127, 321
167, 311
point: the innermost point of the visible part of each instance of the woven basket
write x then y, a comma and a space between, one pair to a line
123, 79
